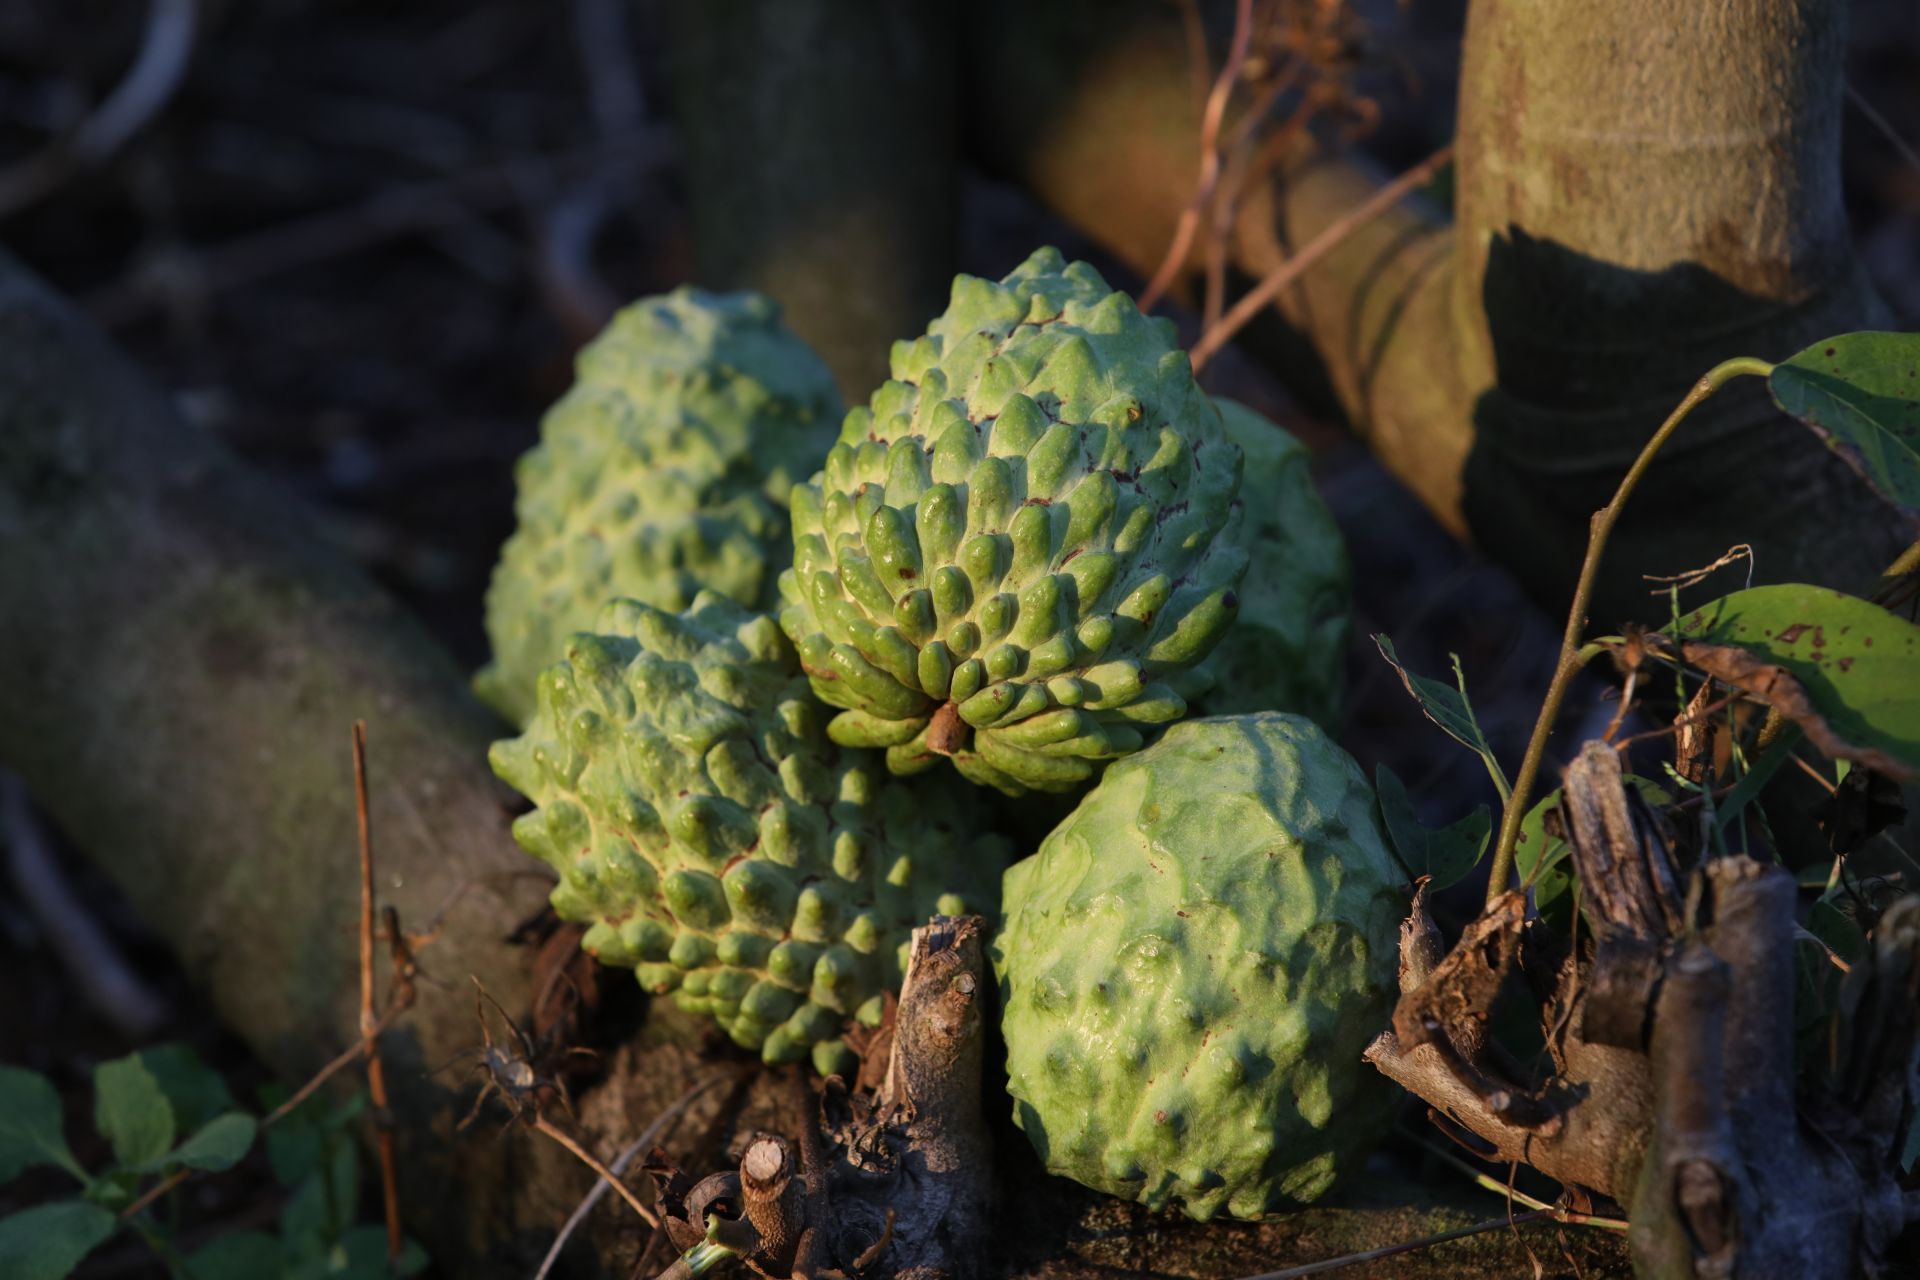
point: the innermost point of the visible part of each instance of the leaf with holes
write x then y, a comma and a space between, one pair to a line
1861, 393
1842, 668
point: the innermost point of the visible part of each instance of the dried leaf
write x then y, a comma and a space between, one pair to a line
1842, 668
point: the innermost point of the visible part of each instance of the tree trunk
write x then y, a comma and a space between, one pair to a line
1642, 191
820, 142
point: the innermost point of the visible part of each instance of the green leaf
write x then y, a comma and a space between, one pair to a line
1861, 393
219, 1145
131, 1112
195, 1090
47, 1242
362, 1255
1448, 708
30, 1125
1755, 779
1852, 668
1446, 854
243, 1255
1541, 860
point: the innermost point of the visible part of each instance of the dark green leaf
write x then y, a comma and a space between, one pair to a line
1842, 668
323, 1205
1448, 707
1861, 393
1755, 779
243, 1255
1446, 854
1838, 930
294, 1150
30, 1125
362, 1255
48, 1242
131, 1112
219, 1145
195, 1090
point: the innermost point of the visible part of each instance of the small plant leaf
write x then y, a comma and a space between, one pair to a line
1541, 860
1448, 707
131, 1112
1861, 393
1446, 854
1842, 668
220, 1144
242, 1255
47, 1242
362, 1255
195, 1090
30, 1125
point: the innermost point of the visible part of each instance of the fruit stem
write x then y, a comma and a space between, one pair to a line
946, 732
1570, 660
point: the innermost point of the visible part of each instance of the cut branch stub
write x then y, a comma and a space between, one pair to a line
1621, 850
899, 1177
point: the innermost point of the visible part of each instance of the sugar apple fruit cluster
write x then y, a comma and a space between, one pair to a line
1020, 539
712, 837
1192, 964
664, 471
1287, 650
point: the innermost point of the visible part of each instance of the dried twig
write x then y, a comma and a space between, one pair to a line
165, 49
1262, 294
376, 1072
542, 1125
1215, 112
648, 1137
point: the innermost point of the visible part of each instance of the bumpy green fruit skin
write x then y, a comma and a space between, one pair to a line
1287, 651
713, 838
1192, 964
663, 472
1020, 539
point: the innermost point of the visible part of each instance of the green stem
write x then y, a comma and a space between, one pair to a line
1570, 655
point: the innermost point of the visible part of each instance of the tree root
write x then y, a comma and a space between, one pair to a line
898, 1177
1673, 1086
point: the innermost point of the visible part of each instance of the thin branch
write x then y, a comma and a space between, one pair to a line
1411, 1246
1210, 119
648, 1137
165, 49
545, 1126
1569, 663
1261, 295
90, 957
376, 1073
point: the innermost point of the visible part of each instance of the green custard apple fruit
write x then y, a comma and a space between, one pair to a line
1287, 651
665, 471
1020, 538
1192, 964
713, 837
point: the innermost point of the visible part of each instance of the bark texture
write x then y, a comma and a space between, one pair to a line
821, 151
1642, 192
